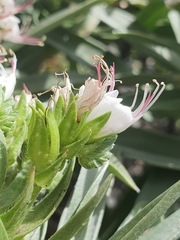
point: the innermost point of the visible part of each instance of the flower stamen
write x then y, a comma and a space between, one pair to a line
135, 96
148, 99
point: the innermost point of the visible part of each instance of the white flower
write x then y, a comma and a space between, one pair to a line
3, 53
99, 97
29, 97
60, 91
8, 80
8, 7
94, 90
122, 116
9, 31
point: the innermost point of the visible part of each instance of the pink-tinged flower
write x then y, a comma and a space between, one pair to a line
9, 31
8, 80
3, 53
8, 7
28, 94
62, 91
121, 116
94, 90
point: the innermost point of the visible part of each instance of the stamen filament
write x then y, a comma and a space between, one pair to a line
135, 96
156, 97
98, 68
112, 78
146, 90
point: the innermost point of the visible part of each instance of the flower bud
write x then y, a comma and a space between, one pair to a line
43, 138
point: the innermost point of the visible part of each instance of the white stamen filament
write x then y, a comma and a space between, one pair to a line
146, 91
156, 89
155, 98
135, 96
3, 70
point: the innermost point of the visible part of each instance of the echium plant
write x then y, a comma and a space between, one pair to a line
9, 24
39, 144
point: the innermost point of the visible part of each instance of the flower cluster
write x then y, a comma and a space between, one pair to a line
9, 24
82, 125
89, 121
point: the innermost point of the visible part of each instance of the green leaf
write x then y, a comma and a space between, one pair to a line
166, 230
15, 191
111, 16
38, 234
95, 154
147, 19
56, 19
91, 229
78, 220
4, 235
150, 39
148, 215
155, 184
94, 126
86, 186
13, 217
157, 150
116, 167
69, 125
38, 140
54, 135
77, 48
164, 56
45, 177
47, 206
3, 158
174, 18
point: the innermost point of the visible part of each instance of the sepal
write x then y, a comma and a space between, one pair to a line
95, 154
38, 140
16, 137
7, 112
94, 126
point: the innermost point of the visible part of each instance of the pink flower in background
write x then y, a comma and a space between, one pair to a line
9, 31
8, 7
3, 53
8, 80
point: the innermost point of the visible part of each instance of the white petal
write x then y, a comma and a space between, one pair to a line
121, 116
81, 90
9, 84
113, 93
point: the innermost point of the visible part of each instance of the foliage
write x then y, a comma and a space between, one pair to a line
142, 38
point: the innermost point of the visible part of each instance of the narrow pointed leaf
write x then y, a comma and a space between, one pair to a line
47, 206
166, 230
88, 181
15, 215
4, 235
3, 159
148, 215
120, 172
80, 218
39, 233
15, 191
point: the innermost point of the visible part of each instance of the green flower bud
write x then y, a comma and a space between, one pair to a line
38, 139
43, 142
7, 112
